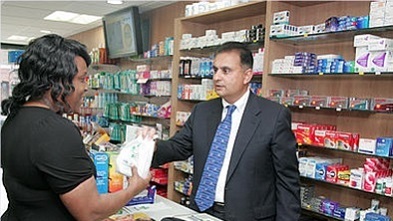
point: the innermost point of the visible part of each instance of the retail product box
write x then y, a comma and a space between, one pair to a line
320, 170
319, 101
367, 145
181, 117
101, 162
287, 101
281, 17
338, 102
319, 28
356, 178
362, 59
382, 104
116, 179
381, 61
343, 177
347, 141
302, 100
356, 103
304, 133
384, 146
333, 170
276, 92
318, 138
380, 44
363, 40
304, 30
330, 139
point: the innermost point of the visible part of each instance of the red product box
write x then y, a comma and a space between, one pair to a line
276, 93
304, 133
382, 104
319, 138
333, 170
302, 100
347, 141
319, 101
287, 101
330, 139
338, 102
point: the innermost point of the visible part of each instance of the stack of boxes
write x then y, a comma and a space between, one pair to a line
373, 53
381, 13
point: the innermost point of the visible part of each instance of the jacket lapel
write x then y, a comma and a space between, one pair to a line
248, 125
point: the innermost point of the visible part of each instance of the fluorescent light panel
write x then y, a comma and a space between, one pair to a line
115, 2
17, 38
72, 17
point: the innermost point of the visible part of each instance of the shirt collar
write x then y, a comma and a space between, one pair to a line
240, 104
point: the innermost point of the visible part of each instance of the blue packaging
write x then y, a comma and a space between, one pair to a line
384, 146
101, 161
376, 217
14, 55
362, 22
320, 171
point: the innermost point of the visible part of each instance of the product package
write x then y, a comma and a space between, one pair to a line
137, 152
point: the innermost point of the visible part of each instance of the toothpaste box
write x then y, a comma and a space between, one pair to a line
363, 40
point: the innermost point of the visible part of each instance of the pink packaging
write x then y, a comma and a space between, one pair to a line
370, 180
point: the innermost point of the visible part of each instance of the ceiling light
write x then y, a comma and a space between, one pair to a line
115, 2
72, 17
61, 16
17, 38
85, 19
45, 31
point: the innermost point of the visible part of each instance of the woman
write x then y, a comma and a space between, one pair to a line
47, 172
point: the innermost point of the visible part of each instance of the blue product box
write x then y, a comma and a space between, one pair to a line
376, 217
144, 197
102, 184
320, 171
101, 161
339, 212
384, 146
14, 55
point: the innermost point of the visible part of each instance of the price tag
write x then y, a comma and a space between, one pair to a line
306, 35
338, 109
301, 106
378, 73
320, 73
317, 108
361, 73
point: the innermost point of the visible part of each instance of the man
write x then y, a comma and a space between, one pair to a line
258, 178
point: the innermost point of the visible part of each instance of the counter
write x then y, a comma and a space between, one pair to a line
163, 207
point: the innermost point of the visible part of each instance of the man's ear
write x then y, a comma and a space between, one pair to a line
248, 75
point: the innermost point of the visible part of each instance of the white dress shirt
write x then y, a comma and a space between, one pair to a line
236, 118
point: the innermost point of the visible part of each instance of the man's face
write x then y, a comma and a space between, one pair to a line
230, 78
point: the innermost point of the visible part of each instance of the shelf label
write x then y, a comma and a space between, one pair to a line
378, 73
361, 73
142, 80
317, 108
320, 73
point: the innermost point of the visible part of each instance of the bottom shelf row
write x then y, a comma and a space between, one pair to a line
317, 206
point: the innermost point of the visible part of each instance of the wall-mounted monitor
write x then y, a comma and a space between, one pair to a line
123, 36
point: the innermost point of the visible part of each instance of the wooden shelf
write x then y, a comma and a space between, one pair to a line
347, 187
150, 60
330, 37
229, 13
338, 75
345, 151
319, 214
210, 49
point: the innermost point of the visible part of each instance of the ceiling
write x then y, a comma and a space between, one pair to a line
25, 18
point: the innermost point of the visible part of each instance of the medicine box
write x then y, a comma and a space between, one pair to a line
281, 17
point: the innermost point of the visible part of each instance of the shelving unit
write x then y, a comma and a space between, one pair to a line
233, 18
368, 124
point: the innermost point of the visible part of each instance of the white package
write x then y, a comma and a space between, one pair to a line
139, 153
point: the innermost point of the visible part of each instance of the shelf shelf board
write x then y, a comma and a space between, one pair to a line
346, 151
149, 60
144, 115
195, 77
356, 74
306, 3
104, 67
341, 110
330, 37
229, 13
319, 214
251, 45
347, 187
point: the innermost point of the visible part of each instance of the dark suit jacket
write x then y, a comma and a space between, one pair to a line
263, 179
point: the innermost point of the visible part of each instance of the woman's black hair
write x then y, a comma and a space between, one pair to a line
246, 58
47, 64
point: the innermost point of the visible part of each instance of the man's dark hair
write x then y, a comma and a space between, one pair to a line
47, 64
246, 57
